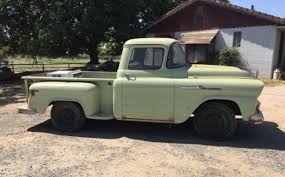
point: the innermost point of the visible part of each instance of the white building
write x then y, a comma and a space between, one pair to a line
207, 26
259, 47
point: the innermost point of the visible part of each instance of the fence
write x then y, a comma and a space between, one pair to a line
17, 68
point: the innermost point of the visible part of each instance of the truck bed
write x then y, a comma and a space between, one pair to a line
103, 80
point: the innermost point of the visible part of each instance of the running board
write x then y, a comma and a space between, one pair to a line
101, 117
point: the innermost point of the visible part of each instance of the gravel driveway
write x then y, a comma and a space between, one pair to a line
29, 146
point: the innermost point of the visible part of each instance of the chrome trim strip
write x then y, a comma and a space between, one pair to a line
191, 88
209, 88
200, 87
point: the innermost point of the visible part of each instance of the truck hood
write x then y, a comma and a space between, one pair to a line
216, 71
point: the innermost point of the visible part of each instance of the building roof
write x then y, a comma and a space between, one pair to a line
274, 19
151, 41
198, 37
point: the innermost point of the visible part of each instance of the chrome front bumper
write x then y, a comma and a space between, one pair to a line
257, 118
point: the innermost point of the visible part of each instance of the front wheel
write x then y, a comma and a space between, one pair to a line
215, 121
67, 116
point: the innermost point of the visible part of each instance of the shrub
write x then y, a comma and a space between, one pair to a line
230, 56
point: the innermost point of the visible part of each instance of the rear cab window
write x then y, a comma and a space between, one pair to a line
176, 57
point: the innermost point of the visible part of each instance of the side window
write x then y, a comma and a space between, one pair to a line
146, 59
176, 57
237, 39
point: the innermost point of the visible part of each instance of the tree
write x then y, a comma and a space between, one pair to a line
70, 27
55, 28
131, 18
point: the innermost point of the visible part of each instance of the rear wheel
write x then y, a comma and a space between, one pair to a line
215, 121
67, 116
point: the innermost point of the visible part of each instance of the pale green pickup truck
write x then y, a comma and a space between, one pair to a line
154, 83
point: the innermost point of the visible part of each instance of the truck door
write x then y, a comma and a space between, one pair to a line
147, 87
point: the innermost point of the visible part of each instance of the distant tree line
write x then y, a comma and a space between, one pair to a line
70, 27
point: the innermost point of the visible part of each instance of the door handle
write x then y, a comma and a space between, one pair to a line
130, 77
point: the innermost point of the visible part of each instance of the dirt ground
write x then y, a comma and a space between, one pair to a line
29, 146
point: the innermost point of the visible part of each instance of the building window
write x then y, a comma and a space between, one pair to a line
237, 39
146, 59
201, 53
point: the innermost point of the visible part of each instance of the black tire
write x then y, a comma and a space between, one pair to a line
6, 74
215, 121
67, 117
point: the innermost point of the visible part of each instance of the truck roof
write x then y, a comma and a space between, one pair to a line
151, 41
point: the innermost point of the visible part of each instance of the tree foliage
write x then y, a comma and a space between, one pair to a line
133, 17
227, 1
70, 27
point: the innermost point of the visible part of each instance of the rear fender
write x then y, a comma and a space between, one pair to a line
43, 94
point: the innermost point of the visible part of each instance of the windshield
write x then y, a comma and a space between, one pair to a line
176, 56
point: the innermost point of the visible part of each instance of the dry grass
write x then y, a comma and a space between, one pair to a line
45, 60
272, 83
50, 63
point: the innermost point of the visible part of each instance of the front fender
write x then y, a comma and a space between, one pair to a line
191, 93
247, 105
43, 94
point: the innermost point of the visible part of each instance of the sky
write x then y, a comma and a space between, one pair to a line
273, 7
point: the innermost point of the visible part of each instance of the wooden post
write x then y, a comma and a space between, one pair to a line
13, 68
43, 67
26, 82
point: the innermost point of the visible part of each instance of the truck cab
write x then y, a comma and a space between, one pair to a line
154, 83
146, 79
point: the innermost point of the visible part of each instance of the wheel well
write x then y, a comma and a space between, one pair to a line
78, 104
231, 104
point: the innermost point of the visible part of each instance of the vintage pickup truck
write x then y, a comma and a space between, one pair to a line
154, 83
